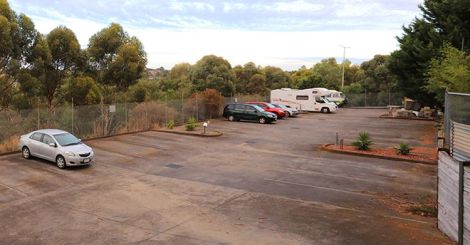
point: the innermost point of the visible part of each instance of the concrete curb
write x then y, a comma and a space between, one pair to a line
136, 132
9, 153
85, 140
365, 107
405, 118
325, 148
115, 135
217, 133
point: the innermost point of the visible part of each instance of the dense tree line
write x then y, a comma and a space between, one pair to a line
216, 73
52, 68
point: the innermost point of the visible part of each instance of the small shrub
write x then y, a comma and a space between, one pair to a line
170, 124
403, 149
363, 142
191, 124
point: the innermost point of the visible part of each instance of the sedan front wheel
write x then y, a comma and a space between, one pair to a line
262, 120
60, 161
26, 153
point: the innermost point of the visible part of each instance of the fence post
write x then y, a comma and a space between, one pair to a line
365, 97
197, 109
147, 120
462, 166
127, 116
451, 138
166, 108
72, 117
182, 106
447, 118
389, 97
102, 115
39, 122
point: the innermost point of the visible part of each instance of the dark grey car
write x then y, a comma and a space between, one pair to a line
237, 112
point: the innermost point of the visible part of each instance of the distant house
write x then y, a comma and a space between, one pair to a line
157, 74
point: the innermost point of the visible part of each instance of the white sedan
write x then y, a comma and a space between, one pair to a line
57, 146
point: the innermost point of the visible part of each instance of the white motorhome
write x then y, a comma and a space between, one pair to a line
303, 100
337, 97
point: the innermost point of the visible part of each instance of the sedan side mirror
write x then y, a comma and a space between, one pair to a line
52, 145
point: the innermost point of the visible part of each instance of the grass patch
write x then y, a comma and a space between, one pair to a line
424, 210
10, 144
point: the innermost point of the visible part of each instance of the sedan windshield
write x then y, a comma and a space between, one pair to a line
270, 106
66, 139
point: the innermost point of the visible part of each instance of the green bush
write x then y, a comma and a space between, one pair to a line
170, 124
191, 124
403, 149
363, 142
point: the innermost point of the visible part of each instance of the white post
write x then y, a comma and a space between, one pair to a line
39, 123
72, 116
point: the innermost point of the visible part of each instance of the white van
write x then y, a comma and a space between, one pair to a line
303, 100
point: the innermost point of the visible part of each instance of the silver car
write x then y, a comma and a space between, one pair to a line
291, 112
57, 146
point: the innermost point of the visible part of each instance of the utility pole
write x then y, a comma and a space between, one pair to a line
344, 59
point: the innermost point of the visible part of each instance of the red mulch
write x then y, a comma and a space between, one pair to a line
418, 154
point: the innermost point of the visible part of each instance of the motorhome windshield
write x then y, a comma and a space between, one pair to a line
326, 100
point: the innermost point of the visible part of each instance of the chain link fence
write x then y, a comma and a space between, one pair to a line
99, 120
457, 125
368, 99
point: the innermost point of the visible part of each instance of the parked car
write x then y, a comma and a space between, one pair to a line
237, 112
270, 108
290, 112
57, 146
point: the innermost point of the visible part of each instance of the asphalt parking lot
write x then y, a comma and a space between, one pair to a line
256, 184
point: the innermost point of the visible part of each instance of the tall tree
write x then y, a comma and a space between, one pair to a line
451, 73
250, 79
213, 72
441, 22
179, 79
305, 78
116, 59
378, 78
420, 43
64, 59
329, 71
17, 36
276, 78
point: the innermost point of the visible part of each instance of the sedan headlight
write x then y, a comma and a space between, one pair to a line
70, 154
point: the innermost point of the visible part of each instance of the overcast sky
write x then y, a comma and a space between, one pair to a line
287, 34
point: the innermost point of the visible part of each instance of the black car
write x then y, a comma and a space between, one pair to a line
237, 112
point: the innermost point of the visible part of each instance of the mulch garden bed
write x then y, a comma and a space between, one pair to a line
199, 131
427, 155
408, 118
